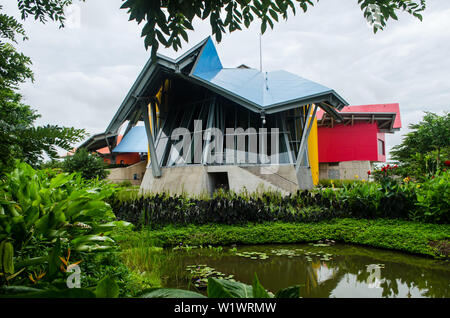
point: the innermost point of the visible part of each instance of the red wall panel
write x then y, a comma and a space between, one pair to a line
348, 143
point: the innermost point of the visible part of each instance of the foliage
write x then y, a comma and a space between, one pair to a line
433, 199
19, 138
406, 236
43, 10
424, 150
157, 210
385, 174
222, 288
337, 183
89, 165
391, 198
166, 22
43, 213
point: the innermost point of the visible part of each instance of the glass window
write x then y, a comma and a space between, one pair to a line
381, 147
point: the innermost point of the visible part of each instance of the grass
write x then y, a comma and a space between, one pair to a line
405, 236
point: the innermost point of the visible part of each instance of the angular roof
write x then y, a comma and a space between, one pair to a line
268, 92
387, 116
265, 90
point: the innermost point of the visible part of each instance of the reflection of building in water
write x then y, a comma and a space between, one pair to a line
324, 273
321, 279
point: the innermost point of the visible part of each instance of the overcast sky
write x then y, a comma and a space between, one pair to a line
84, 71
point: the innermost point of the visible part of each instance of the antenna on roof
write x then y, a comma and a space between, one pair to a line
260, 52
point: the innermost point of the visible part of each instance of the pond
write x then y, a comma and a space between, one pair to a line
323, 269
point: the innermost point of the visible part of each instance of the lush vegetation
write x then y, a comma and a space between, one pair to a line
89, 165
425, 150
48, 219
407, 236
428, 201
19, 137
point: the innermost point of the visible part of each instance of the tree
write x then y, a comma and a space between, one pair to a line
91, 166
19, 138
428, 140
166, 21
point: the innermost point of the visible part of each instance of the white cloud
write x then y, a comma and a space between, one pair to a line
83, 73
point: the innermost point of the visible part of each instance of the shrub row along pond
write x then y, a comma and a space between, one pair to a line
158, 210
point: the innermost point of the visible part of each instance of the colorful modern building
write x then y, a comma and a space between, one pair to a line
204, 126
347, 150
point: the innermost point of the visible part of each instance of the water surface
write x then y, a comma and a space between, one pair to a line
322, 271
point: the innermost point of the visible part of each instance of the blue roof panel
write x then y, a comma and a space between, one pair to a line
134, 141
261, 89
208, 60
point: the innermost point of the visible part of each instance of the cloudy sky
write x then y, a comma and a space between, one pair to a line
84, 71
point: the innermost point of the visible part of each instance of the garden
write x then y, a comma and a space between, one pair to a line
65, 234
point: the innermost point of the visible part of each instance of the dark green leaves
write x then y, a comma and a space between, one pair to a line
6, 258
174, 17
220, 288
107, 288
290, 292
258, 290
170, 293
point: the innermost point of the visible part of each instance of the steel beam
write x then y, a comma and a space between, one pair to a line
156, 170
305, 134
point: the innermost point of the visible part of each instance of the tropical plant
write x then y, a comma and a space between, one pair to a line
89, 165
433, 199
424, 150
222, 288
43, 213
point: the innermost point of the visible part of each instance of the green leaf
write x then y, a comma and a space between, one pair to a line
6, 257
171, 293
258, 290
107, 288
64, 293
53, 259
290, 292
90, 239
220, 288
13, 290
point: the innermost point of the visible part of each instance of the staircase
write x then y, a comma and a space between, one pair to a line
284, 183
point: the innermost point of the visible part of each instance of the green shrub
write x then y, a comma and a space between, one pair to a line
43, 214
337, 183
89, 165
433, 199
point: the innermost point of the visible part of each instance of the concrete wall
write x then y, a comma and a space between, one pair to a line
118, 175
346, 170
176, 180
197, 180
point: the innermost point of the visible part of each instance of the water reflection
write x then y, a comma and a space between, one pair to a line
351, 271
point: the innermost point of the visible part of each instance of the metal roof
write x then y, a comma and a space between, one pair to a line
268, 92
387, 116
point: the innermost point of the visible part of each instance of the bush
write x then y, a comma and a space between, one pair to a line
433, 199
157, 210
47, 216
91, 166
337, 183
